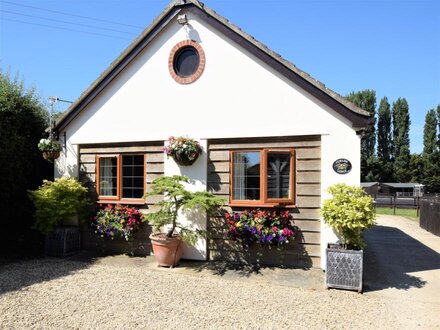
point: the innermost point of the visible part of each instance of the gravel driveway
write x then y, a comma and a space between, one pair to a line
62, 294
132, 293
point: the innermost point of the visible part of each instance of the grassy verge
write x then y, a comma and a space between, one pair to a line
409, 213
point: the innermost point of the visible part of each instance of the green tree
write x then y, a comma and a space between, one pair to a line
374, 167
430, 134
366, 100
23, 120
417, 168
431, 152
401, 151
385, 141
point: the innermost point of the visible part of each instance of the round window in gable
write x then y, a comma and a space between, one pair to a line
186, 62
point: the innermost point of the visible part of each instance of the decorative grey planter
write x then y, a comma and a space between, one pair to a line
65, 241
344, 269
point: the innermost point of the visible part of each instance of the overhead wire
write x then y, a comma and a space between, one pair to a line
63, 28
70, 14
66, 22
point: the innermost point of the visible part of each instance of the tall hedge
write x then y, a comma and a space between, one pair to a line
23, 121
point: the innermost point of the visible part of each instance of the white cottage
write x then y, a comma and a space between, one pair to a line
194, 73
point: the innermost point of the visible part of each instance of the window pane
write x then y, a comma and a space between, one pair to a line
278, 175
108, 169
246, 176
132, 176
127, 160
186, 62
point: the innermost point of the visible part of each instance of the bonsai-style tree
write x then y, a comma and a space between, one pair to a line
349, 212
177, 198
57, 200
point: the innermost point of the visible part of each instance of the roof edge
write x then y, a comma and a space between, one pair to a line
359, 118
146, 33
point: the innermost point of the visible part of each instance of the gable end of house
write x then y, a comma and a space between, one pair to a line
358, 118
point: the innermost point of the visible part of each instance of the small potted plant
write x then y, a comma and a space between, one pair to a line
167, 246
50, 148
184, 150
268, 228
349, 212
57, 203
117, 221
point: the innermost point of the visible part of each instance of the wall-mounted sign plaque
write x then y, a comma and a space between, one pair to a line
342, 166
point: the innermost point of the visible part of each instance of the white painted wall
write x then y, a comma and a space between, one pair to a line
67, 164
339, 144
236, 96
198, 175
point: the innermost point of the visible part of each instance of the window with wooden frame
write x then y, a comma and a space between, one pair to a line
262, 177
120, 178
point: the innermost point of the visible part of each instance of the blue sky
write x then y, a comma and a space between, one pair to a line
390, 46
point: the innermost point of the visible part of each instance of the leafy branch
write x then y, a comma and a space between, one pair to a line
176, 199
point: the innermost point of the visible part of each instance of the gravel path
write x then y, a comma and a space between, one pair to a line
63, 294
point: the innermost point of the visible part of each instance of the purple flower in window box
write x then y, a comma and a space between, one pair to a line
263, 227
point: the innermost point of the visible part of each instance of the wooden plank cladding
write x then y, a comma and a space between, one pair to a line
269, 142
220, 155
308, 189
307, 177
122, 149
304, 251
308, 153
309, 165
154, 168
218, 167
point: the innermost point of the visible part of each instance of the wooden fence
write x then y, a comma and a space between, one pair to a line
430, 214
392, 201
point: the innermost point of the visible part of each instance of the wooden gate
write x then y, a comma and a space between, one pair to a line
430, 214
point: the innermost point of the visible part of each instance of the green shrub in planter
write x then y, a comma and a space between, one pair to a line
56, 201
349, 212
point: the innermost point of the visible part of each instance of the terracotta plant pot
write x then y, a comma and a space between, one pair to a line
51, 154
167, 251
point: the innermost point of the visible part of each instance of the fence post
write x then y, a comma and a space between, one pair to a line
394, 205
418, 206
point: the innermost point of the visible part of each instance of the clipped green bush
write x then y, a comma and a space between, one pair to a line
57, 200
349, 212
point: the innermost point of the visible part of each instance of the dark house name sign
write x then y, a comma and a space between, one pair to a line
342, 166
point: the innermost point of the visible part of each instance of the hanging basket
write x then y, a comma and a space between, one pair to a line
184, 160
51, 154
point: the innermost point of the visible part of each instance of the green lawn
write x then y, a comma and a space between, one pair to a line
410, 213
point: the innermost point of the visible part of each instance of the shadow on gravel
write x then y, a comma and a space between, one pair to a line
19, 274
390, 255
307, 278
242, 269
220, 268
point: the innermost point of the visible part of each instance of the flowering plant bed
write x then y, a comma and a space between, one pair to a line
117, 221
184, 150
273, 228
